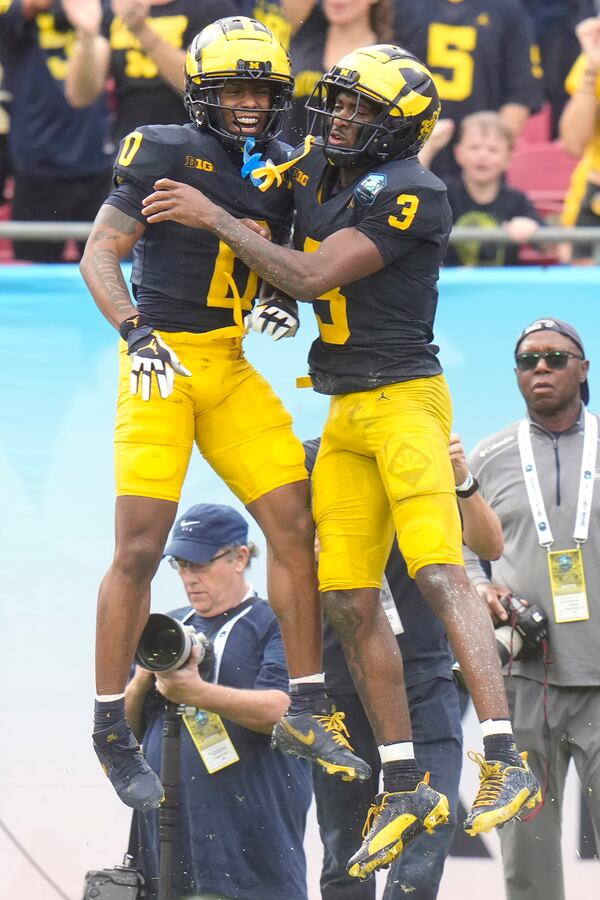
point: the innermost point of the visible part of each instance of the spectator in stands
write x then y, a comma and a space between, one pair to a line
434, 712
297, 12
480, 57
60, 157
329, 31
536, 475
240, 825
272, 13
554, 24
580, 134
142, 45
479, 195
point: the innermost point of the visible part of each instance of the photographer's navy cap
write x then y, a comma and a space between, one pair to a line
205, 529
561, 328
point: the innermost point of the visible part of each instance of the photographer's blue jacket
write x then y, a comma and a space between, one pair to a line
241, 830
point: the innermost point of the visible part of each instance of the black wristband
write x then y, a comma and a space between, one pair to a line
469, 491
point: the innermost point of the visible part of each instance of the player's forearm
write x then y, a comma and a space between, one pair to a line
169, 60
87, 70
293, 272
254, 709
102, 273
112, 237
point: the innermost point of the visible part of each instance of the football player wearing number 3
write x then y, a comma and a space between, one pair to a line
184, 379
371, 231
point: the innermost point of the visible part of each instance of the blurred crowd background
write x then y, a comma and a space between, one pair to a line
77, 75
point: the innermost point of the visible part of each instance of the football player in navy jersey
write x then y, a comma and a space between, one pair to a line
184, 379
370, 234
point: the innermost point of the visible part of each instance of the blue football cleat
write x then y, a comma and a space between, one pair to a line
320, 735
124, 764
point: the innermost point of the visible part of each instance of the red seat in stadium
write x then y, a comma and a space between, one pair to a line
543, 171
537, 128
6, 249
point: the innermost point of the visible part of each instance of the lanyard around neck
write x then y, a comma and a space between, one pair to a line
586, 482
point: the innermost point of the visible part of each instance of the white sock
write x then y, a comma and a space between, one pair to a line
309, 679
403, 750
109, 698
496, 726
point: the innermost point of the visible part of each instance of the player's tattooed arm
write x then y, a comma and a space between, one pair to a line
113, 236
342, 258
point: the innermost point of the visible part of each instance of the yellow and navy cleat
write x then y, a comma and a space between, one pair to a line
504, 791
124, 764
393, 821
320, 735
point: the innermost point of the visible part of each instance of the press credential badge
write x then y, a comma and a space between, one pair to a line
212, 740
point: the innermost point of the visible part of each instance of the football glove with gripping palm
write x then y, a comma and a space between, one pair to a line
149, 354
278, 320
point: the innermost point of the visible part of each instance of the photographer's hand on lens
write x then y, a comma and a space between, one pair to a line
145, 676
183, 685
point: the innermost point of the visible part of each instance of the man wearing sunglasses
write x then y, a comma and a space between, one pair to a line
240, 823
538, 475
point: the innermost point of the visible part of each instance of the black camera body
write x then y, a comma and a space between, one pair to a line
121, 883
522, 636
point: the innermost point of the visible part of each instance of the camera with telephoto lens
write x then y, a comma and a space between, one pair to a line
166, 645
521, 637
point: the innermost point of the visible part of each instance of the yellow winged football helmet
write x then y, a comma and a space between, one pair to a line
236, 47
404, 94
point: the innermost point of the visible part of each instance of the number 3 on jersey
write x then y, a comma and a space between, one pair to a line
335, 331
409, 205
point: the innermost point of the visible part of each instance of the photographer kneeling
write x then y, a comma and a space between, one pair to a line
243, 807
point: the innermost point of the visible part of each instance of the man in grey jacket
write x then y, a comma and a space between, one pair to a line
538, 475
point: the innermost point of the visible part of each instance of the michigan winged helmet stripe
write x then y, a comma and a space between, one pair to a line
402, 87
237, 47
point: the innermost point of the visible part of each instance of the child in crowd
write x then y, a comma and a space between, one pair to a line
479, 196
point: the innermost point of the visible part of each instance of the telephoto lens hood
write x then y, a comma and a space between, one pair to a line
166, 644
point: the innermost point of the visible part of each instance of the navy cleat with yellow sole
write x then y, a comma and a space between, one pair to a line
393, 821
320, 735
504, 791
124, 764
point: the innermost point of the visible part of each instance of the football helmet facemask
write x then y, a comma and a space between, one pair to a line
236, 47
406, 98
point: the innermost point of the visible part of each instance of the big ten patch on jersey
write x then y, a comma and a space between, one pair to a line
185, 154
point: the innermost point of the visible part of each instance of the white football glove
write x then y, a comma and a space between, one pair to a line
274, 320
149, 354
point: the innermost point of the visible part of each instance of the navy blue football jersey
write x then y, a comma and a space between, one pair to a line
377, 330
480, 53
180, 275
